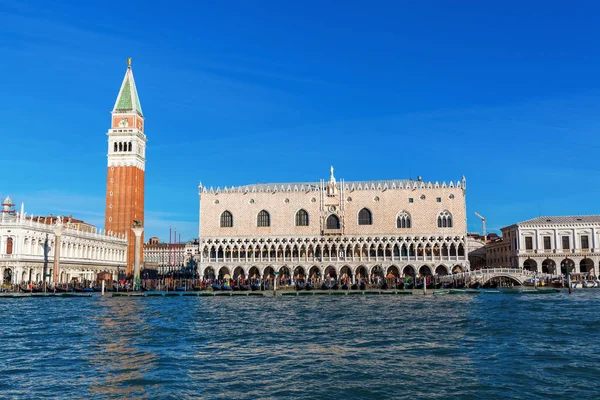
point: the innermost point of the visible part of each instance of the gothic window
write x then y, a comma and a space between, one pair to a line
403, 220
365, 217
120, 146
129, 149
445, 220
263, 219
333, 222
301, 218
226, 220
116, 146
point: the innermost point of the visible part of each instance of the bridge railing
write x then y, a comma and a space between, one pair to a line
517, 272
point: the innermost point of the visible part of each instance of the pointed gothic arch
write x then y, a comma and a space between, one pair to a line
403, 220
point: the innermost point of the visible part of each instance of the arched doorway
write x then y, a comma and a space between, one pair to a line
361, 272
392, 275
425, 270
392, 270
269, 273
530, 265
314, 273
376, 272
238, 274
330, 273
346, 274
224, 273
567, 266
8, 274
409, 271
284, 276
253, 274
457, 269
209, 273
548, 266
441, 270
299, 273
586, 266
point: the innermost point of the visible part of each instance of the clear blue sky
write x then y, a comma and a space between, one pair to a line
245, 91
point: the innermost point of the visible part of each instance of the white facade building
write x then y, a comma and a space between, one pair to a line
550, 245
27, 251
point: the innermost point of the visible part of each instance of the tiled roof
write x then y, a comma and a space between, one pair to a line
568, 219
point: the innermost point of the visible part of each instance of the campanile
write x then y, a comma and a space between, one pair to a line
126, 165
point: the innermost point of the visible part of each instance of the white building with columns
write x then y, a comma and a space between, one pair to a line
334, 228
27, 250
550, 245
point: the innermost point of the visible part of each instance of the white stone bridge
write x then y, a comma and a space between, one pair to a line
484, 275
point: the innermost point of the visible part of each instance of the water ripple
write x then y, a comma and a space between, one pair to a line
464, 347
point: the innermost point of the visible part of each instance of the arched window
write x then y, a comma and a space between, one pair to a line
333, 222
365, 217
226, 220
445, 219
301, 218
403, 220
129, 149
120, 146
263, 219
116, 146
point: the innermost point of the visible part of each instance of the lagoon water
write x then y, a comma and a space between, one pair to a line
363, 347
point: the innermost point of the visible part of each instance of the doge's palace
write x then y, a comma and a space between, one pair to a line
333, 228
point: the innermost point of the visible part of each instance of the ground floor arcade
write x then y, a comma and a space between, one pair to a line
326, 271
561, 264
17, 274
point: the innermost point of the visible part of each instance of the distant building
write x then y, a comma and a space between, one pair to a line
27, 248
69, 222
549, 245
169, 257
476, 246
331, 228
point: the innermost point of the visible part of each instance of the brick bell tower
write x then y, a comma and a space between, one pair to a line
126, 165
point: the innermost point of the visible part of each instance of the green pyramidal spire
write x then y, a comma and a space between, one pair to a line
128, 100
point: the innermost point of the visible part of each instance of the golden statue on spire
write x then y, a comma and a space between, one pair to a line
129, 62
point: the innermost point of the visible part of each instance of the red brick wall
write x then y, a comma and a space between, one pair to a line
126, 195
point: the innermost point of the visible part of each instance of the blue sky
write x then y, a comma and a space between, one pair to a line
237, 92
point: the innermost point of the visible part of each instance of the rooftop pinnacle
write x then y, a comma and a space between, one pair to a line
128, 100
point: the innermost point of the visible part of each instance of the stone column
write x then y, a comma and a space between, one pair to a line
136, 258
57, 237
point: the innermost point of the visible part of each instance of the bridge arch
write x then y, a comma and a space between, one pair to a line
493, 277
